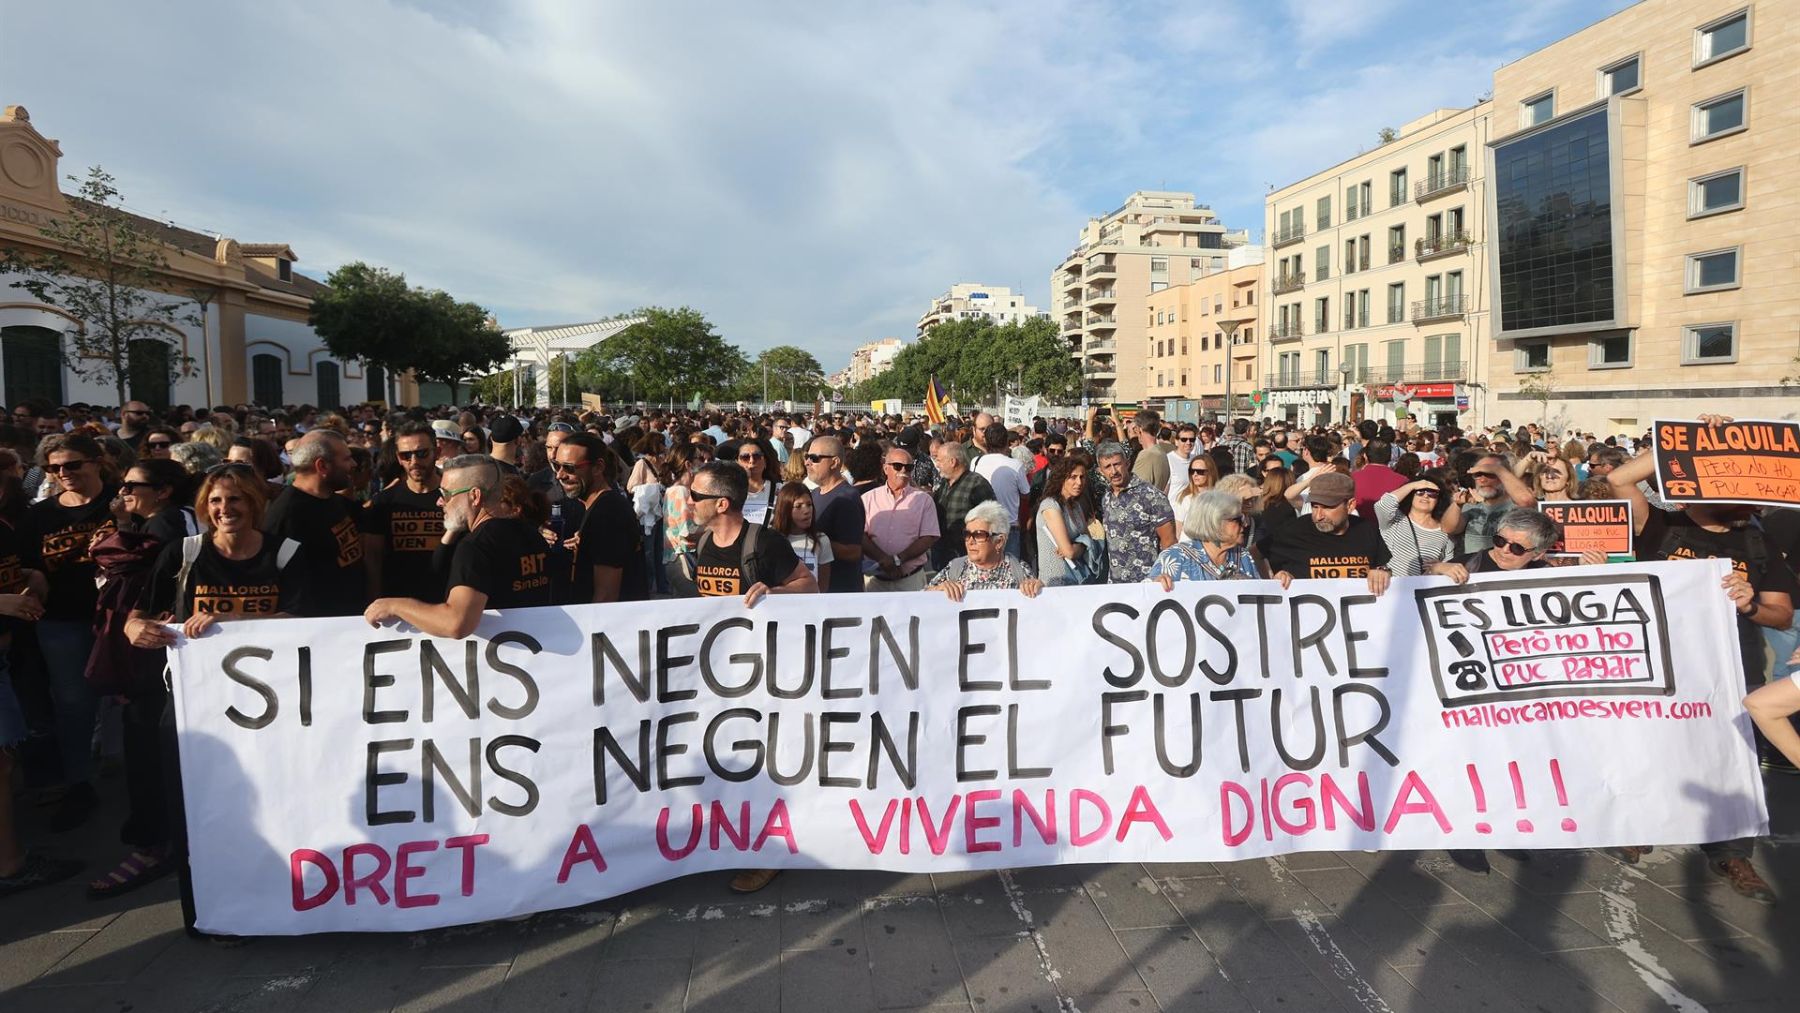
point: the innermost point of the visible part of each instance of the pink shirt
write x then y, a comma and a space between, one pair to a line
894, 522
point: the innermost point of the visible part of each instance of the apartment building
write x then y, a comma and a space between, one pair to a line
970, 301
1204, 340
1156, 239
873, 358
1644, 218
1376, 280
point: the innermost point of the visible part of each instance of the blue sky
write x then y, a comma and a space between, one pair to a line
802, 173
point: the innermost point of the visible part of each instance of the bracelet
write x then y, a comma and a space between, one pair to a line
1753, 607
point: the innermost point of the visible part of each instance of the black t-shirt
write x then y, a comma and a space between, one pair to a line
1308, 553
506, 560
55, 540
254, 588
719, 570
1781, 527
610, 536
840, 518
410, 525
170, 524
1674, 535
331, 554
566, 517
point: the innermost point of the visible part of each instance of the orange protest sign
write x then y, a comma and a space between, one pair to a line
1748, 461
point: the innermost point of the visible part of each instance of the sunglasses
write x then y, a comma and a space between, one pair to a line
1053, 451
899, 466
133, 487
413, 455
1199, 471
159, 444
1501, 542
446, 495
695, 494
1425, 494
816, 458
750, 457
562, 466
1184, 439
561, 427
977, 536
66, 467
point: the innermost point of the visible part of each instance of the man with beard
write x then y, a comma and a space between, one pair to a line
403, 523
317, 514
499, 563
609, 554
1495, 491
1762, 589
1328, 542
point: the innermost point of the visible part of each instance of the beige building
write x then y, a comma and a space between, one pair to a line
873, 358
1189, 327
1377, 282
969, 301
1644, 222
1156, 240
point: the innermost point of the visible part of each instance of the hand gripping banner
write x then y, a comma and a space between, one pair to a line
339, 777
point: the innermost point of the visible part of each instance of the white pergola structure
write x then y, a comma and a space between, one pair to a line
533, 348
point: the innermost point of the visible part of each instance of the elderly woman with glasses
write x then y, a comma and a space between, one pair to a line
1213, 544
1525, 537
985, 565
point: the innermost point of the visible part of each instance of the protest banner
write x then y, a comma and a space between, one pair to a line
1755, 461
339, 777
1019, 411
1603, 524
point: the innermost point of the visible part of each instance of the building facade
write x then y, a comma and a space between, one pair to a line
1644, 220
873, 359
1157, 239
969, 301
1204, 340
248, 339
1376, 296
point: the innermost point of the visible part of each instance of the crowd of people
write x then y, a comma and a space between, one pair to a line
118, 529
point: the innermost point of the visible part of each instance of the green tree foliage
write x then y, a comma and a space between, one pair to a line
791, 371
968, 356
105, 274
497, 388
673, 354
372, 314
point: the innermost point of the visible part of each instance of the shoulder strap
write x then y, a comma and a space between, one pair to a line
747, 542
190, 551
285, 554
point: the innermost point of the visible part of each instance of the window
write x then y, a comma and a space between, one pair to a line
1720, 117
148, 371
1553, 227
1322, 263
1537, 110
1158, 286
1713, 271
1702, 343
1322, 367
1352, 209
1159, 265
1218, 372
375, 383
328, 379
1610, 351
1443, 357
1397, 188
1717, 193
1396, 360
284, 269
1324, 212
1396, 244
1396, 303
32, 358
1362, 260
265, 380
1620, 78
1531, 356
1322, 315
1728, 36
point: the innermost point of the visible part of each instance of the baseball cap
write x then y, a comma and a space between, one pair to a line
444, 429
909, 437
505, 429
1331, 489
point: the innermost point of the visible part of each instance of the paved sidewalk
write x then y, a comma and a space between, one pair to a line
1565, 931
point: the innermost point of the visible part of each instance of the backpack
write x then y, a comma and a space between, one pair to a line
681, 568
190, 551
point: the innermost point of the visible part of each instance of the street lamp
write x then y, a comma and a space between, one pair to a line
1345, 369
1230, 327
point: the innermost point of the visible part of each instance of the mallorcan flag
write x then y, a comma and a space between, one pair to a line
935, 400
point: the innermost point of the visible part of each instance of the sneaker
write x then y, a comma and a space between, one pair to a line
1471, 859
1743, 878
77, 804
38, 870
752, 880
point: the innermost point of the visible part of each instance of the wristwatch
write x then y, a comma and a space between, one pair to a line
894, 561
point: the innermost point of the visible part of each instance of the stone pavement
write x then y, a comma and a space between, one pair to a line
1564, 931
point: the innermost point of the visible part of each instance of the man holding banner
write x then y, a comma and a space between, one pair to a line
1761, 587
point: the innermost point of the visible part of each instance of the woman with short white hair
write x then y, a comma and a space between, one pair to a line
1213, 544
985, 565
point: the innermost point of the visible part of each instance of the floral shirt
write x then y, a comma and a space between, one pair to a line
1188, 561
678, 522
1009, 572
1131, 519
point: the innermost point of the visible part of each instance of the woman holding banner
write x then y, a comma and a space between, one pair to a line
228, 572
1213, 547
986, 566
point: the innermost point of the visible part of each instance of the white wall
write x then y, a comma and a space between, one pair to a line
18, 308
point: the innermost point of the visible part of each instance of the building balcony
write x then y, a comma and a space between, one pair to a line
1101, 295
1071, 303
1071, 325
1072, 281
1280, 333
1285, 283
1100, 371
1294, 379
1103, 321
1414, 372
1450, 307
1101, 345
1450, 180
1445, 245
1287, 237
1102, 270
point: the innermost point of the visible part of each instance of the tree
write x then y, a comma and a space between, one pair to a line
372, 314
970, 356
1539, 387
672, 354
791, 372
1388, 135
104, 270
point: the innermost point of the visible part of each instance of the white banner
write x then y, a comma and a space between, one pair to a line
1019, 411
339, 777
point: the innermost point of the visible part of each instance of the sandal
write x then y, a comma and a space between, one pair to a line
38, 871
140, 868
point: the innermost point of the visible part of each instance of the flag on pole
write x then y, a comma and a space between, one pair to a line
935, 400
